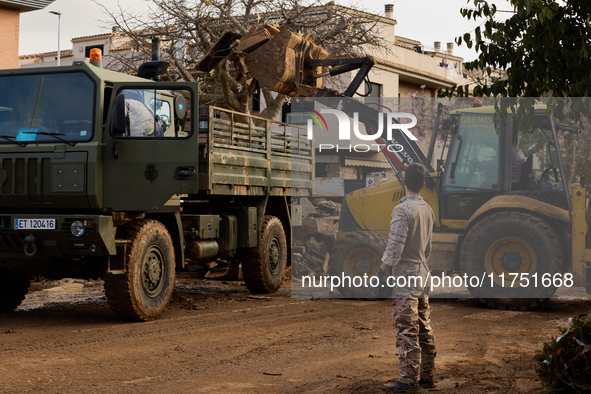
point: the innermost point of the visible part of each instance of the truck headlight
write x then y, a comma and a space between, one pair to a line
77, 228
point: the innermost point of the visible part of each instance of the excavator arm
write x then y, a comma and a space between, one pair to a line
293, 65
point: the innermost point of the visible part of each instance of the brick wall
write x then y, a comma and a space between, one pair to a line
9, 25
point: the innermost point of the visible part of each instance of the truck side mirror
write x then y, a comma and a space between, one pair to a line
118, 121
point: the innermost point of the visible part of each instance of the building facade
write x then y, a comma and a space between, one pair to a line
10, 11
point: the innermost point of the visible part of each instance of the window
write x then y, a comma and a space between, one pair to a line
374, 93
50, 108
300, 118
162, 110
297, 118
473, 163
537, 145
149, 113
321, 170
376, 90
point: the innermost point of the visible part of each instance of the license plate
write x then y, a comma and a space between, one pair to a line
34, 224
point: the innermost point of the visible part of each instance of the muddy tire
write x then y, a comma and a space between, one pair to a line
142, 292
263, 267
508, 243
357, 254
13, 288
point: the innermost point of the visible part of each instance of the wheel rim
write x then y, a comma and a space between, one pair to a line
274, 253
362, 261
509, 256
153, 272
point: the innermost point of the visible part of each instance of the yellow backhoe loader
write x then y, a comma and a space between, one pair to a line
517, 226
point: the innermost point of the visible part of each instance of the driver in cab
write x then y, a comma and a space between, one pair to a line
142, 121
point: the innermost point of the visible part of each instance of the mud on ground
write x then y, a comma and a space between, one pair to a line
218, 338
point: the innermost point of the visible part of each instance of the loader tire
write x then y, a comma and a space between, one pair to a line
263, 267
142, 292
508, 243
13, 288
357, 254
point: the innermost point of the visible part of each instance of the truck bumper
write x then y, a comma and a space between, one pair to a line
98, 238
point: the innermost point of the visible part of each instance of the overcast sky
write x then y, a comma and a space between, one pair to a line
423, 20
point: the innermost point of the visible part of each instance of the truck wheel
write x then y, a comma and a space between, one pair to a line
508, 243
263, 267
13, 288
357, 254
143, 291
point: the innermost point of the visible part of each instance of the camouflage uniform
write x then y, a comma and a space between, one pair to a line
409, 247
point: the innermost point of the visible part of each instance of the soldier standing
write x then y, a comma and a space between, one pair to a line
409, 247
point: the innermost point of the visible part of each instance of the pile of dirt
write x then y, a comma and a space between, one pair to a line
564, 364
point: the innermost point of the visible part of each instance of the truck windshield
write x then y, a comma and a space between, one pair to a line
49, 108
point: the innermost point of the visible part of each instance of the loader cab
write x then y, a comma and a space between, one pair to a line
489, 156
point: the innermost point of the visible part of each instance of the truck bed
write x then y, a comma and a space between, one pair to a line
248, 155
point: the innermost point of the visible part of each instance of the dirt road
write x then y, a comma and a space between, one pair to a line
217, 338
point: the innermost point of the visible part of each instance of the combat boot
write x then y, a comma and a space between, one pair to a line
427, 383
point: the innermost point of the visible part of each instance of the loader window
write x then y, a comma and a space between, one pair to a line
538, 144
473, 164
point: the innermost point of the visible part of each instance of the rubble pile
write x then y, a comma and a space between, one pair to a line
314, 240
565, 362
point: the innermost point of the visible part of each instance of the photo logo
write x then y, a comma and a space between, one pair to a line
315, 115
344, 122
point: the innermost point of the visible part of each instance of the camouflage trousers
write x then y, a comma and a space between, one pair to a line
412, 324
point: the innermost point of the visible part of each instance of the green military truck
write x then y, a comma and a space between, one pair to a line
109, 175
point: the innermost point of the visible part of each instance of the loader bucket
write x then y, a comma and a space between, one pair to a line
256, 37
218, 51
229, 40
280, 64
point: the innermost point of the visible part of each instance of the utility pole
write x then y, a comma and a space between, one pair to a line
59, 17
